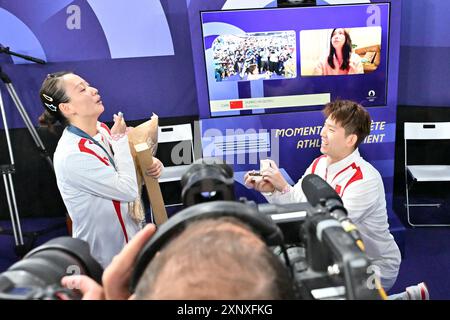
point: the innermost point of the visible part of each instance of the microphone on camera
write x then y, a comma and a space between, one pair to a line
318, 191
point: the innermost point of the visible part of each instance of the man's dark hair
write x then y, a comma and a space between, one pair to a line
352, 116
216, 259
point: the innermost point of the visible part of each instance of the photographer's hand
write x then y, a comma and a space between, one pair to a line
117, 275
90, 289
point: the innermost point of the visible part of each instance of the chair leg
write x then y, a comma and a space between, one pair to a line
407, 205
426, 205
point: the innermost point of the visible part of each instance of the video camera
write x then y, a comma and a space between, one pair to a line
319, 243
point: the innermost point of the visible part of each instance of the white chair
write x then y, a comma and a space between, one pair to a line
176, 152
425, 173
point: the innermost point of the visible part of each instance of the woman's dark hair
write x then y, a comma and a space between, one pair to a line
346, 51
52, 93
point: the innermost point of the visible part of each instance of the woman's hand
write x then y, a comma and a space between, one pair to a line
119, 126
155, 169
351, 67
355, 67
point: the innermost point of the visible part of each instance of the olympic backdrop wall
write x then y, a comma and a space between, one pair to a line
151, 56
137, 53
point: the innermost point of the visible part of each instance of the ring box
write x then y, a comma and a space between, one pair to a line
256, 175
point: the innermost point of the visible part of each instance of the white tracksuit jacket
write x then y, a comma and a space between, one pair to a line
95, 194
361, 188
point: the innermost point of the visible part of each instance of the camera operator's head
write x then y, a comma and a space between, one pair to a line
215, 258
346, 125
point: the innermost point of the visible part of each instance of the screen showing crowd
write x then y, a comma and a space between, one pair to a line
292, 59
253, 56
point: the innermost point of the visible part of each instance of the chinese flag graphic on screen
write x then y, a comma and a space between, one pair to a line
237, 104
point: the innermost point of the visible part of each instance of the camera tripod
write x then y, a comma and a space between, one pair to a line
8, 169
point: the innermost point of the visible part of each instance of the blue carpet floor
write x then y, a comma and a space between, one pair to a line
427, 259
427, 251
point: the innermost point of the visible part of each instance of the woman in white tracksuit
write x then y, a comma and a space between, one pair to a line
93, 165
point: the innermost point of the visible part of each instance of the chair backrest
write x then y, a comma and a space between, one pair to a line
427, 130
171, 136
176, 152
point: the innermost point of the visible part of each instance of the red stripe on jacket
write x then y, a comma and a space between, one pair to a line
315, 163
353, 165
356, 176
119, 215
83, 148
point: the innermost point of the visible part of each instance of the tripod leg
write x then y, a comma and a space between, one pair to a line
8, 170
11, 198
28, 123
5, 126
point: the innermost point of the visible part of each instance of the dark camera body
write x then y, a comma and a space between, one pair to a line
325, 261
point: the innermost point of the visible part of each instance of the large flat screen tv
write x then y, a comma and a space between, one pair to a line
291, 59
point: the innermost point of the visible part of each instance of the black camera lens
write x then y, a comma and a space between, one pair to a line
208, 179
47, 264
